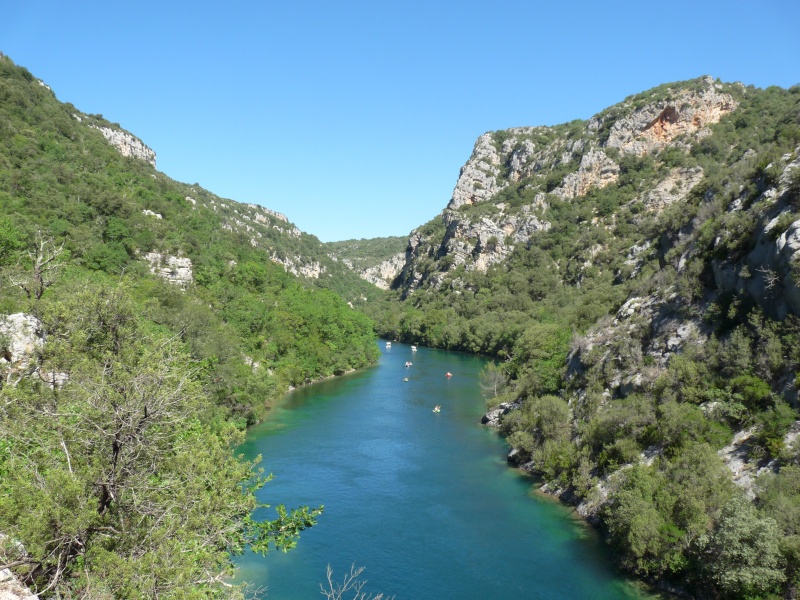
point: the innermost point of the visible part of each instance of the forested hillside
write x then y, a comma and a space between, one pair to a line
117, 218
143, 324
635, 275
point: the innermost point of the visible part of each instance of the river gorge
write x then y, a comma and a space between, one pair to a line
425, 501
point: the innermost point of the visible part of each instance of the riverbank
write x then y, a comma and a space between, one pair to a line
584, 510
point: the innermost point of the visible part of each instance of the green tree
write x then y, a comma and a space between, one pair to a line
493, 380
10, 241
121, 478
741, 555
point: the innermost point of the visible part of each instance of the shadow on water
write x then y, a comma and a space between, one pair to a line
424, 500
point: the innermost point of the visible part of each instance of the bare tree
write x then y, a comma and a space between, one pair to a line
350, 587
771, 278
45, 265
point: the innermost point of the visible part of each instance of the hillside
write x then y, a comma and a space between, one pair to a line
67, 167
635, 275
92, 188
144, 323
377, 260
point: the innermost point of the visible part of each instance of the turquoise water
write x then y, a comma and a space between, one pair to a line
424, 501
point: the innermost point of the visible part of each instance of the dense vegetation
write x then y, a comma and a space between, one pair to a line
117, 473
116, 437
364, 253
607, 417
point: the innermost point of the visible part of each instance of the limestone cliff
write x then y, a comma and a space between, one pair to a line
484, 223
128, 144
385, 272
688, 113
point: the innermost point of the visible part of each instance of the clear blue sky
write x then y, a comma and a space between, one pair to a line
354, 118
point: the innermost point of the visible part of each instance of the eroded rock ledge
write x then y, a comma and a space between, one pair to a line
128, 145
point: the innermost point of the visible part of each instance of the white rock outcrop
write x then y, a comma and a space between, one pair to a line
128, 145
676, 186
487, 240
12, 589
296, 266
20, 339
478, 178
174, 269
384, 273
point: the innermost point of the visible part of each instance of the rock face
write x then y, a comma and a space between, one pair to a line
174, 269
482, 230
296, 266
650, 327
770, 272
688, 113
128, 145
676, 186
384, 273
21, 339
11, 589
596, 170
492, 418
272, 213
488, 240
478, 179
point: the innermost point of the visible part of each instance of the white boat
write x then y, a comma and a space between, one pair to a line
388, 344
413, 348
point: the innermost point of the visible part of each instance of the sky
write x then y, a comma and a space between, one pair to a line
353, 118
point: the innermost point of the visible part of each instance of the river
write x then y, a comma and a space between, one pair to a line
424, 501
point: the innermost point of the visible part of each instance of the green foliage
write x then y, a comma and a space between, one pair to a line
11, 241
540, 357
494, 380
775, 423
123, 478
656, 514
755, 393
368, 253
741, 556
779, 499
636, 526
793, 186
120, 481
